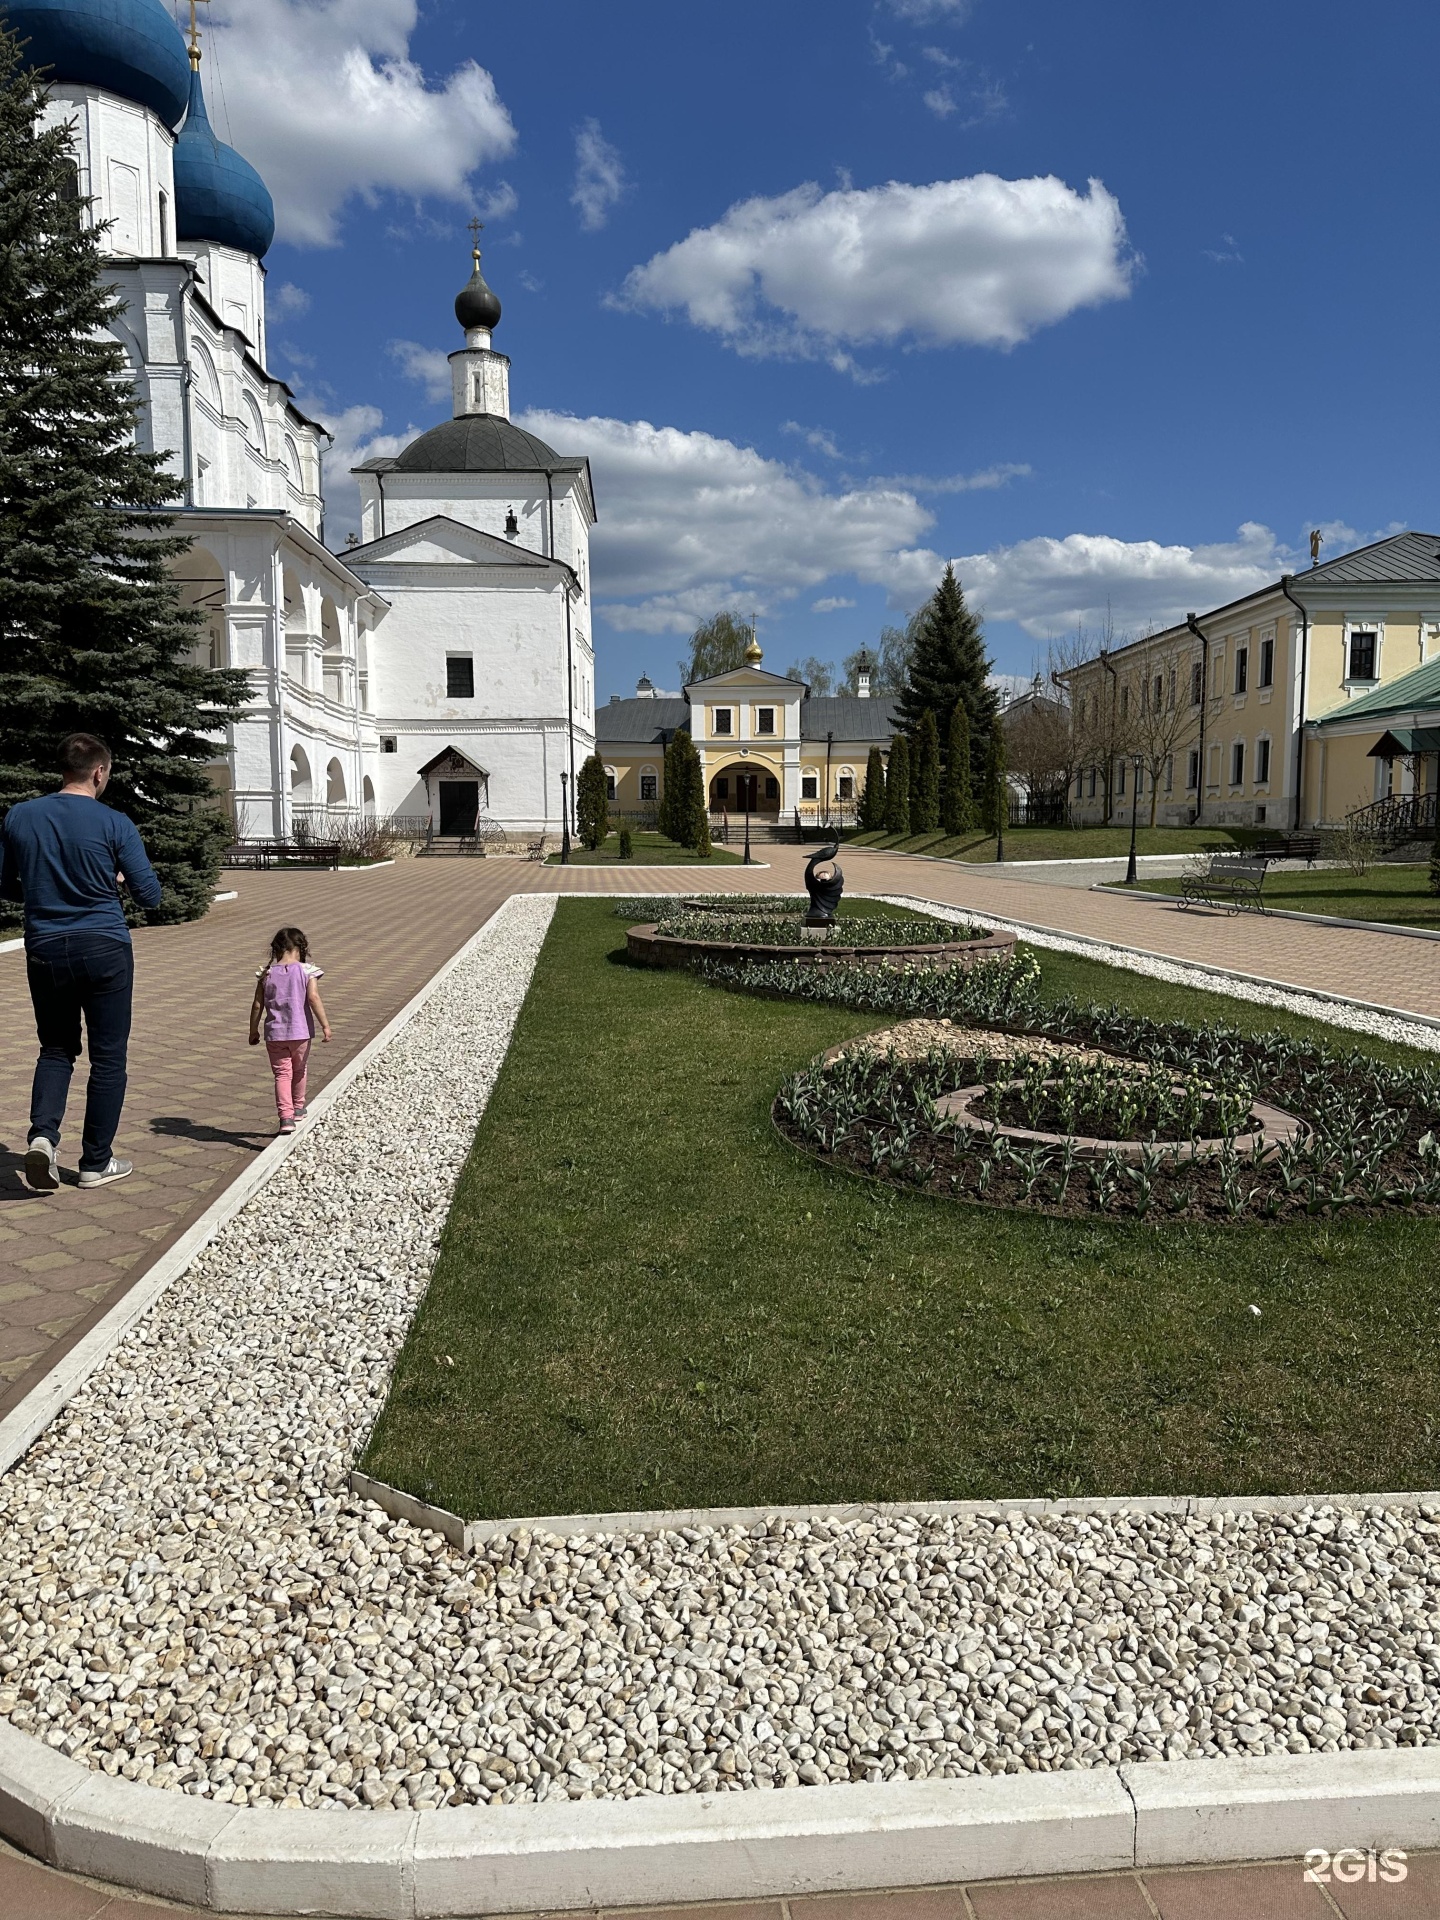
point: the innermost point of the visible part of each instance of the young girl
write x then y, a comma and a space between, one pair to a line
288, 999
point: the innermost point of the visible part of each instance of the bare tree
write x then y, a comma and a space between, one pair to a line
1101, 717
1039, 744
1160, 721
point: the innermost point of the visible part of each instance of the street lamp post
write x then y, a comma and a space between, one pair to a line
1130, 874
564, 819
748, 862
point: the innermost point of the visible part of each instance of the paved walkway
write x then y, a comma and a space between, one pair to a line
31, 1892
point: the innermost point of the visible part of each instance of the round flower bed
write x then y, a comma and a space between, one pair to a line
746, 932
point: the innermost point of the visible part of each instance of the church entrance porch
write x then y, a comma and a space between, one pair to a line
738, 788
459, 805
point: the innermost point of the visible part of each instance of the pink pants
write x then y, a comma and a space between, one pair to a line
288, 1060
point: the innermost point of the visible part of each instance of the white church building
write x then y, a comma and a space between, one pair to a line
444, 661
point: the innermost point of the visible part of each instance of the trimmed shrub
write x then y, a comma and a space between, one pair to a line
592, 806
627, 844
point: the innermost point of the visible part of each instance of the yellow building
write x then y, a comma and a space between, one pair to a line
766, 745
1294, 706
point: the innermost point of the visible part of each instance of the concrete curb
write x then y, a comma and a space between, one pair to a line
672, 1848
23, 1424
943, 907
1271, 913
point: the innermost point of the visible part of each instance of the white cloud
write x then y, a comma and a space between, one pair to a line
286, 302
986, 480
980, 261
1050, 586
599, 176
499, 203
832, 603
429, 365
820, 438
323, 97
940, 100
355, 436
690, 522
952, 10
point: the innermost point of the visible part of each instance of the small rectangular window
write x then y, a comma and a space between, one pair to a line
1192, 770
609, 785
809, 786
1094, 779
1362, 656
389, 744
722, 720
1237, 764
1262, 762
459, 676
765, 720
1197, 683
1120, 778
1267, 664
1169, 773
772, 787
647, 786
1242, 669
847, 787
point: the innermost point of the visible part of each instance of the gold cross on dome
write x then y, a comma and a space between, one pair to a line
477, 227
195, 33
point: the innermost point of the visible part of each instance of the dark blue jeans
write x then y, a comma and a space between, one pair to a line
77, 975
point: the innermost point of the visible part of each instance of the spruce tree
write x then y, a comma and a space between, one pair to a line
949, 663
897, 787
592, 803
872, 800
93, 637
957, 814
667, 815
925, 812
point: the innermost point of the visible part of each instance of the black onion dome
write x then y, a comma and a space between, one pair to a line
479, 443
477, 304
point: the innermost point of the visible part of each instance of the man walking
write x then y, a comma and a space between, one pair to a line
65, 856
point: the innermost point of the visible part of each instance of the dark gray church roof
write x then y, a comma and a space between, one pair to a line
848, 718
644, 722
479, 443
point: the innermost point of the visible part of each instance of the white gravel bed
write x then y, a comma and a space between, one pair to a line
1338, 1013
189, 1595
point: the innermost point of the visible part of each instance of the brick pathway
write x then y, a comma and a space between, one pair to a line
31, 1892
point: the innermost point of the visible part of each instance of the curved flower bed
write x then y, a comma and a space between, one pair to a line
745, 933
1367, 1138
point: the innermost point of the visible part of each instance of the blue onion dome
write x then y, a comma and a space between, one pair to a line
129, 47
218, 195
477, 304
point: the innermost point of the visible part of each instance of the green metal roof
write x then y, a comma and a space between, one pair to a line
1420, 688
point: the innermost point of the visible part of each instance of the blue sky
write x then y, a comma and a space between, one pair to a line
907, 327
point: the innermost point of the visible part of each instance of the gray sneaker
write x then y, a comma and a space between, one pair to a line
102, 1176
41, 1173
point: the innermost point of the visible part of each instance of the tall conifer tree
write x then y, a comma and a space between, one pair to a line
949, 663
897, 787
925, 810
872, 800
92, 634
958, 811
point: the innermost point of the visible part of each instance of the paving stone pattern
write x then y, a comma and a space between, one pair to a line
1278, 1892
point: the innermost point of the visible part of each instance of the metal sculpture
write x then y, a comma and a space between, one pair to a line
824, 891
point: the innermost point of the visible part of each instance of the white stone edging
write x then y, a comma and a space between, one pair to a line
24, 1423
671, 1848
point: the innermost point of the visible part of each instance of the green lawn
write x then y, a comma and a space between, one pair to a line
651, 850
644, 1298
1399, 895
1057, 843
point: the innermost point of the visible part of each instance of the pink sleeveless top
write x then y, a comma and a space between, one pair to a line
287, 1017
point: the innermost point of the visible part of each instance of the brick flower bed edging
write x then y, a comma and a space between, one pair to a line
646, 946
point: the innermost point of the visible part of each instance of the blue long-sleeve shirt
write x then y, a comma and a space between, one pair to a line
60, 855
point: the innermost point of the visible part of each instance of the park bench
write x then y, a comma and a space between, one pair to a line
535, 850
261, 855
1308, 847
1229, 883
